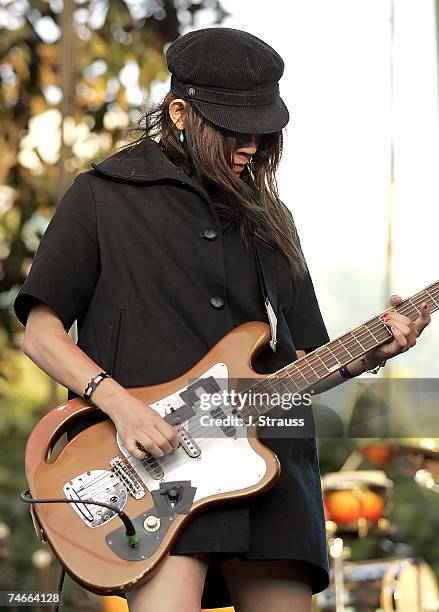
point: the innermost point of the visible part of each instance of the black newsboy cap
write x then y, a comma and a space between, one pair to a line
231, 77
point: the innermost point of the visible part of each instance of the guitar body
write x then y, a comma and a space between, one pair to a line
212, 465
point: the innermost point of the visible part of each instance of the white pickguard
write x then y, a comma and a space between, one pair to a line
224, 465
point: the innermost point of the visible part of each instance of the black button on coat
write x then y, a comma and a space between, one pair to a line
135, 253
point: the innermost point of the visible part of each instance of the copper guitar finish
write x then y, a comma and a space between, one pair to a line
83, 551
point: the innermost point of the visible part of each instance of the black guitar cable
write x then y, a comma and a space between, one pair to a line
60, 588
130, 530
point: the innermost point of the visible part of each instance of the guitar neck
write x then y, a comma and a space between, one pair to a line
304, 373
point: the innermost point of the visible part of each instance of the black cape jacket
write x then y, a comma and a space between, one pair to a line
135, 254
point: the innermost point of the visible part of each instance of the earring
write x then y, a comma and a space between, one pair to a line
181, 137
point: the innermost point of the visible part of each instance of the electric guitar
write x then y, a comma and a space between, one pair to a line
215, 462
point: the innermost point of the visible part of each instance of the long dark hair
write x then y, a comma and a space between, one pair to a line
251, 200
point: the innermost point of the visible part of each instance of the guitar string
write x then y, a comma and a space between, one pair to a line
152, 460
103, 486
275, 380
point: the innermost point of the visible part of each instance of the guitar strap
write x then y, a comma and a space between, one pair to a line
265, 257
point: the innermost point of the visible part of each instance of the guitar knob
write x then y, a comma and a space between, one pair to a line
151, 523
173, 494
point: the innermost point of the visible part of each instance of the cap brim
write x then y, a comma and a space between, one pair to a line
246, 119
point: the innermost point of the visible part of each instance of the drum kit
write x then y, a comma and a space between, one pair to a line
357, 504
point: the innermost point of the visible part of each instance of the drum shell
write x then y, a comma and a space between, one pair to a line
397, 584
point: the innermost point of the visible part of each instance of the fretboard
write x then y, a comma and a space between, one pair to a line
303, 374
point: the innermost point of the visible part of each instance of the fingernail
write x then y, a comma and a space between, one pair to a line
425, 306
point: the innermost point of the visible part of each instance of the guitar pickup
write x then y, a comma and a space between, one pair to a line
188, 443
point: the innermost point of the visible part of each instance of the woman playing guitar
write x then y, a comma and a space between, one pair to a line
150, 251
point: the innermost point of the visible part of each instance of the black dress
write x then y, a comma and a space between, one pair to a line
287, 522
129, 254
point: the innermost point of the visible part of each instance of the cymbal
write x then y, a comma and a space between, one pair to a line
403, 458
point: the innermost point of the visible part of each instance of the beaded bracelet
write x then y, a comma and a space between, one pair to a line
375, 370
94, 383
344, 372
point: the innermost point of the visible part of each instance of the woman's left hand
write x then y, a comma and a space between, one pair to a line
405, 332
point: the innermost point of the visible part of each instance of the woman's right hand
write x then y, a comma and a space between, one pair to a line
139, 425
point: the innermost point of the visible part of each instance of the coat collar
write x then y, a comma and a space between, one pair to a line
144, 163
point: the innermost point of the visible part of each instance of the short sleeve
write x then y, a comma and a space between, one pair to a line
65, 268
304, 318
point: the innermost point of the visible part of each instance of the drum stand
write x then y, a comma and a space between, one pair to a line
336, 548
338, 552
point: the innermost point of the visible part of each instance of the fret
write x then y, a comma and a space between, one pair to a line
429, 294
252, 392
293, 367
406, 309
244, 412
382, 328
308, 362
436, 293
279, 379
328, 358
260, 392
401, 308
415, 307
358, 342
338, 349
418, 297
371, 339
417, 301
349, 346
312, 376
328, 347
297, 369
285, 387
343, 347
317, 365
322, 362
270, 384
371, 333
291, 380
258, 408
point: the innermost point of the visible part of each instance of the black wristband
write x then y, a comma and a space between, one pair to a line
94, 383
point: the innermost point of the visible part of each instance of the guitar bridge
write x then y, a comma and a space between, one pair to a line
128, 477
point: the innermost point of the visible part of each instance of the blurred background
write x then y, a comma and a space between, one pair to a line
359, 173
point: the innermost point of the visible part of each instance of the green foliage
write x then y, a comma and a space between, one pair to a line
21, 406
